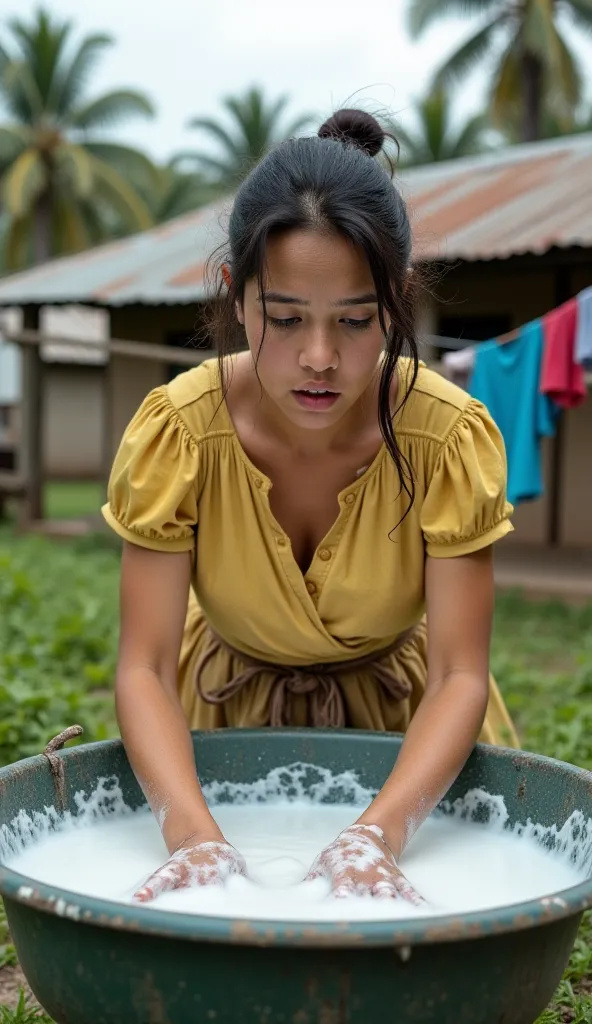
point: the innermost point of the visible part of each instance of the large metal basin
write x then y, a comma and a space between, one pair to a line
93, 962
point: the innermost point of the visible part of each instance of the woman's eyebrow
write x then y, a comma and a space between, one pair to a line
291, 300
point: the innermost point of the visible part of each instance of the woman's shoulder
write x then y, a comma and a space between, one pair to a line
434, 406
195, 396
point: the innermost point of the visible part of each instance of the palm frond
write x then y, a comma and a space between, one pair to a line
131, 163
221, 170
73, 170
14, 139
434, 114
114, 189
471, 138
70, 231
218, 132
16, 247
421, 14
463, 60
564, 84
506, 88
538, 34
111, 108
21, 94
581, 12
5, 60
71, 79
42, 43
23, 183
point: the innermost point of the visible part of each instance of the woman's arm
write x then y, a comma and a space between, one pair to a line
154, 593
440, 737
445, 727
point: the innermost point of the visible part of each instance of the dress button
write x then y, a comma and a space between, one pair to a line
324, 554
349, 499
281, 542
258, 481
311, 587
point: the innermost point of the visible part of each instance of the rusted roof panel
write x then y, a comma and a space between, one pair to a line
524, 199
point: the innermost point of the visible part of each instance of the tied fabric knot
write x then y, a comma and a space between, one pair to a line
320, 681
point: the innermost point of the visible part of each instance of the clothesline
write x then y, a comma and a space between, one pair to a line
567, 353
526, 378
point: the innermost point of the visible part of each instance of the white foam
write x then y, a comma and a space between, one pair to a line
464, 859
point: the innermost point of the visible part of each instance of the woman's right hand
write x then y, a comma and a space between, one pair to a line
194, 863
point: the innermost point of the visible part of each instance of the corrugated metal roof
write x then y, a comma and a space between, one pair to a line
525, 199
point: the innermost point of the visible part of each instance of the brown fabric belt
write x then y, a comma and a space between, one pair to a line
320, 681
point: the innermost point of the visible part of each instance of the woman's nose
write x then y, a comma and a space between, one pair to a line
319, 352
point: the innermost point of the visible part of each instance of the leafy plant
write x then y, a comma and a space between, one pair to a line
23, 1014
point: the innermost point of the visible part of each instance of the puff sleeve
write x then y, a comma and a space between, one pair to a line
465, 507
152, 492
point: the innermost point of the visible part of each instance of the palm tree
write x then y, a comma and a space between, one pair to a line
61, 186
433, 138
534, 66
255, 126
175, 192
551, 126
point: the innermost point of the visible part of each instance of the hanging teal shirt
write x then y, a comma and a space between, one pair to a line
506, 379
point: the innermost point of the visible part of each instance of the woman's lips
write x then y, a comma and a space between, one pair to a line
317, 400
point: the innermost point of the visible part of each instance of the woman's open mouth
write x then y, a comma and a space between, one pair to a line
319, 400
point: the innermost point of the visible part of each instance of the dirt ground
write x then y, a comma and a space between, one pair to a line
12, 980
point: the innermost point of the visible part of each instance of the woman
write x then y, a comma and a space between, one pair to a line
318, 492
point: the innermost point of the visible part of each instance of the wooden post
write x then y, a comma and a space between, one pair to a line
30, 450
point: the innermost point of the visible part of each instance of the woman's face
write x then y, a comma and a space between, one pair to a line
323, 339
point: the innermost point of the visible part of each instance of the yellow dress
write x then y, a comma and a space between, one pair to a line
181, 481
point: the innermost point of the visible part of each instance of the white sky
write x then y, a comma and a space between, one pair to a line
187, 55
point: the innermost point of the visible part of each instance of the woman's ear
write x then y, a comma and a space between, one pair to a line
238, 309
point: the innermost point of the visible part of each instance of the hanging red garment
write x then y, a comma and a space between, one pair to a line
561, 377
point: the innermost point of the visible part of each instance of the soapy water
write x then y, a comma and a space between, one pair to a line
465, 857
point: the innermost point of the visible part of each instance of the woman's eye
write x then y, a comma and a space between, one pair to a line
359, 324
289, 322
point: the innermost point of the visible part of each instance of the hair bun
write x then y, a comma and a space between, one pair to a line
354, 126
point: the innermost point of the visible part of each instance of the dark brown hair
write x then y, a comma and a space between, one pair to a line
327, 182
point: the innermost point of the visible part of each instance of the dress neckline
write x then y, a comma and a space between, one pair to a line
265, 482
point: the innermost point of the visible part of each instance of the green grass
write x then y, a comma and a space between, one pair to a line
72, 500
23, 1014
58, 633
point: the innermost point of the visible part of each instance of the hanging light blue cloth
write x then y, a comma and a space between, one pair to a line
506, 379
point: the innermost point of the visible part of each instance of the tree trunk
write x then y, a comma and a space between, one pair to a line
42, 228
532, 80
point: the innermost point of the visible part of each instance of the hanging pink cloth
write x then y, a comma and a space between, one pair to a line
561, 377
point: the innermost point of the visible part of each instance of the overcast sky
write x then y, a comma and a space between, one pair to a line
186, 55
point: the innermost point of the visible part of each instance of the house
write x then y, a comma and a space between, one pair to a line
503, 237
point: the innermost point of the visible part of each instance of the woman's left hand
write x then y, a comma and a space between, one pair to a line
359, 863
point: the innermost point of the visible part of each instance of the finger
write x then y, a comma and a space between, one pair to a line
406, 890
163, 880
144, 895
385, 890
344, 888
